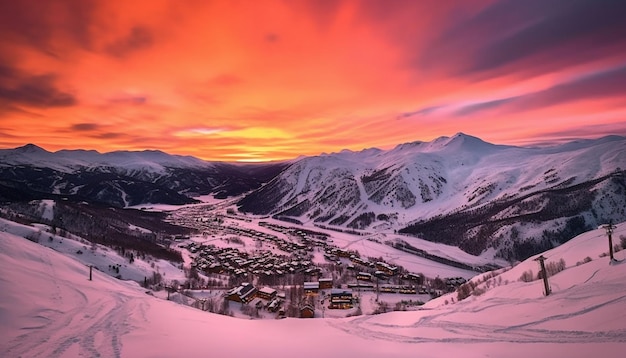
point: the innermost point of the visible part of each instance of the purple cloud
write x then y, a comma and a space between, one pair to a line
534, 36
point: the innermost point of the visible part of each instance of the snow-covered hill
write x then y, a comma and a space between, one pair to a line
122, 178
486, 195
101, 257
49, 308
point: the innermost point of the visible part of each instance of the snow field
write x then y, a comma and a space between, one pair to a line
48, 308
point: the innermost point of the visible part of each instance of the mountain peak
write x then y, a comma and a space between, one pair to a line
460, 136
30, 148
463, 142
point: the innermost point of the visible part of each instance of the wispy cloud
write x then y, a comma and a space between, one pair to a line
84, 127
476, 108
529, 36
18, 88
138, 38
279, 79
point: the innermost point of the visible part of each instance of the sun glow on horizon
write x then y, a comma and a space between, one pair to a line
273, 80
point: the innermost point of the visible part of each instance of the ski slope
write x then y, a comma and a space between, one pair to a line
49, 308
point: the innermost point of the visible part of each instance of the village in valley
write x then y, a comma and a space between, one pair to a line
257, 268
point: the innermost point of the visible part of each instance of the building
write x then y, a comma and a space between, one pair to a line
274, 305
325, 283
340, 299
307, 311
417, 278
381, 275
389, 288
244, 293
386, 268
266, 293
361, 286
364, 276
311, 288
214, 268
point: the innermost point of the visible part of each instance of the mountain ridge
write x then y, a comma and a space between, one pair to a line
483, 197
425, 181
123, 178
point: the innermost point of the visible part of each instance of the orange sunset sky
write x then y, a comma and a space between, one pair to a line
269, 80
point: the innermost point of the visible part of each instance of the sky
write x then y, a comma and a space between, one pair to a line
272, 80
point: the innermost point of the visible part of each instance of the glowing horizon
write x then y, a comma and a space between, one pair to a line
273, 80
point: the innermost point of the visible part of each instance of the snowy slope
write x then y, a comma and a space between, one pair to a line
102, 258
385, 191
48, 308
426, 178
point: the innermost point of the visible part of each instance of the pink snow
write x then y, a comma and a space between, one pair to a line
49, 308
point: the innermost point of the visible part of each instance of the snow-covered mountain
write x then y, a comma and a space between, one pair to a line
49, 308
509, 201
458, 190
122, 178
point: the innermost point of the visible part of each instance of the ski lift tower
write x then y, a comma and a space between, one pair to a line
609, 232
544, 274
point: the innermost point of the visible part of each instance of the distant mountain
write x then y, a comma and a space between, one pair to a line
457, 190
123, 178
487, 199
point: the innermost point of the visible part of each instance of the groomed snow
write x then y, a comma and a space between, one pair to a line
49, 308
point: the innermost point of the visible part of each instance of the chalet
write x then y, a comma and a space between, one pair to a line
419, 279
389, 288
243, 293
358, 260
455, 281
361, 286
330, 257
381, 275
266, 293
325, 283
307, 311
342, 253
386, 268
311, 288
340, 299
274, 305
364, 276
214, 268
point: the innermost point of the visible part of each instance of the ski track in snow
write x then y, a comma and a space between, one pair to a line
91, 328
62, 314
460, 332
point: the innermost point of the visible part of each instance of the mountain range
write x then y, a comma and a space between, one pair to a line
505, 201
457, 190
123, 178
